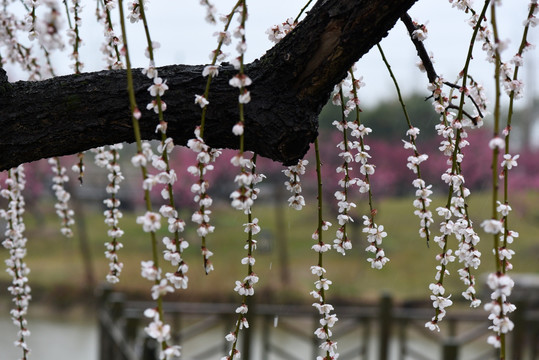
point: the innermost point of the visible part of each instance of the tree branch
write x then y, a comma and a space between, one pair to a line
291, 83
429, 66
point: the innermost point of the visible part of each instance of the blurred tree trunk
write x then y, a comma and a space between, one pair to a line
84, 245
281, 234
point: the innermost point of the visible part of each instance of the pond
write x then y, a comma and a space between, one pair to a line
52, 339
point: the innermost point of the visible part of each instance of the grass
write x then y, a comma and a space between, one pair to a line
56, 262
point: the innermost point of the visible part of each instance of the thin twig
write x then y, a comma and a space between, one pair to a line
420, 48
427, 63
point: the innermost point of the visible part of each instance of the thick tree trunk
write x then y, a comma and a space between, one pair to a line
291, 83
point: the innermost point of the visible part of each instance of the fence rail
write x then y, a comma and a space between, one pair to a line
392, 325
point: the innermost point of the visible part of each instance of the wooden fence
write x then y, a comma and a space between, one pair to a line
383, 331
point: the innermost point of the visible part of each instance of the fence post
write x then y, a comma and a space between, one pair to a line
105, 344
266, 337
364, 352
450, 349
385, 316
131, 328
149, 349
117, 305
403, 323
314, 339
116, 311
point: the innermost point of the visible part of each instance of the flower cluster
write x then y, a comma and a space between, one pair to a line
466, 253
62, 196
342, 242
375, 233
217, 56
151, 221
16, 52
244, 288
421, 32
469, 256
73, 35
322, 284
463, 5
79, 168
277, 32
296, 201
15, 243
161, 332
499, 308
439, 300
422, 202
455, 219
110, 47
241, 48
175, 246
109, 159
423, 191
499, 282
165, 176
245, 194
30, 20
134, 8
205, 156
46, 28
494, 47
210, 11
157, 329
512, 87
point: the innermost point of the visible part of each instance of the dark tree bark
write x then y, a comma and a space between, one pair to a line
291, 83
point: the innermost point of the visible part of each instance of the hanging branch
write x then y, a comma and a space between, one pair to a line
429, 66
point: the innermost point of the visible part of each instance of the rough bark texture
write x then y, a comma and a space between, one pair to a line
291, 83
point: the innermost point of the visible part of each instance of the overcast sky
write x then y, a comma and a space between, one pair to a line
186, 38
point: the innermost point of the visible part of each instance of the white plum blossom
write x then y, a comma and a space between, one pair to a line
238, 129
151, 221
244, 97
211, 70
240, 81
64, 212
510, 161
492, 226
149, 271
158, 330
109, 159
201, 101
503, 209
15, 243
158, 88
420, 33
496, 143
296, 201
277, 32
